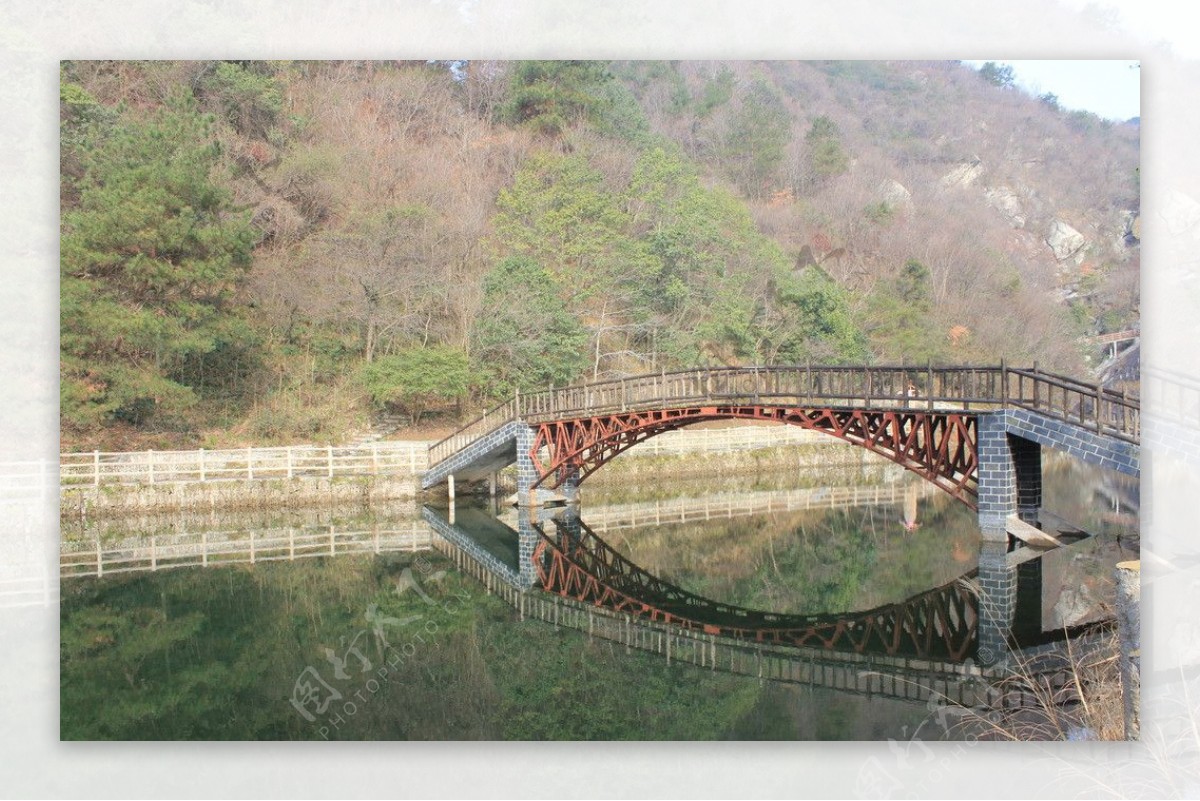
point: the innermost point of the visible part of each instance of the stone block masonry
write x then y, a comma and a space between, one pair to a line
1009, 452
527, 474
997, 476
1073, 439
483, 457
997, 601
133, 499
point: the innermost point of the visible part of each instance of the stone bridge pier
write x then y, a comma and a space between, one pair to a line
1009, 449
997, 601
527, 539
527, 475
1009, 486
1010, 477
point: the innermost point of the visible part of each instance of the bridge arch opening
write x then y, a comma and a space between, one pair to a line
940, 446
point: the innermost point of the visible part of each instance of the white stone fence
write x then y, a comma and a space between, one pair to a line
243, 464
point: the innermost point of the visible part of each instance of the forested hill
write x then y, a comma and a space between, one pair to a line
257, 252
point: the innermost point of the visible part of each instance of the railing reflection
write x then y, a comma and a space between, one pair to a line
153, 552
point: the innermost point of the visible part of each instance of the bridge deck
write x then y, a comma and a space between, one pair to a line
490, 441
478, 458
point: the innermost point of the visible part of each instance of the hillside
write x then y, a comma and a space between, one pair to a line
259, 252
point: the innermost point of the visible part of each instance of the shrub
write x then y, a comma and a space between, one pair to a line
418, 379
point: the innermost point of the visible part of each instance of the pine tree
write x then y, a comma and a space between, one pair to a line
151, 257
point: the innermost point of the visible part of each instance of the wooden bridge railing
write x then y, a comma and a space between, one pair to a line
1088, 405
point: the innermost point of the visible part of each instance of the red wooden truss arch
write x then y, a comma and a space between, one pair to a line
940, 446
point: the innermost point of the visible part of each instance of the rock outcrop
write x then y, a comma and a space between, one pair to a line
964, 174
1065, 242
895, 194
1006, 200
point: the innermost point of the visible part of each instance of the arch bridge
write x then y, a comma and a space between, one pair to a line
973, 431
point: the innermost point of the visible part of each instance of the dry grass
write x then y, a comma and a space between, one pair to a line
1075, 695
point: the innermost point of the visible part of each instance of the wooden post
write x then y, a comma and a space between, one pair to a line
150, 465
1129, 586
374, 458
202, 476
929, 384
450, 485
289, 461
250, 463
95, 468
1037, 404
1003, 385
329, 456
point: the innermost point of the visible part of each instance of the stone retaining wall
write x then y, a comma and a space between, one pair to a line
84, 502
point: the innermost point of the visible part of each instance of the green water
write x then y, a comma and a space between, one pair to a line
403, 646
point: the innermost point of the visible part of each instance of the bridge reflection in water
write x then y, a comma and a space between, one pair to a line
575, 563
948, 643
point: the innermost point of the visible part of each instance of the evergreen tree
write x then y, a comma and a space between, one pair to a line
757, 138
901, 322
997, 74
526, 338
151, 257
825, 154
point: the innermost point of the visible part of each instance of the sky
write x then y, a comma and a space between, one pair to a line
1110, 89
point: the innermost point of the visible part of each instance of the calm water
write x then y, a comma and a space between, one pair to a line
402, 645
